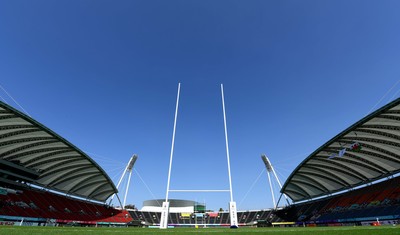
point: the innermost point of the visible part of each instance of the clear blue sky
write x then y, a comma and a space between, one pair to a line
104, 75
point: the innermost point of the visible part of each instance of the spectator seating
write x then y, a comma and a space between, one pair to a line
38, 203
380, 200
208, 218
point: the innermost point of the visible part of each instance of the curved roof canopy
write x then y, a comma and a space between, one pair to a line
366, 151
61, 165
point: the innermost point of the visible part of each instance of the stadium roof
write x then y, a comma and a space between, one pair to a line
365, 152
61, 166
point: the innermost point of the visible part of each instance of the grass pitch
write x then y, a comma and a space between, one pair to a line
366, 230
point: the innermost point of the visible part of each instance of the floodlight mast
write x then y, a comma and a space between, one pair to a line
128, 169
270, 169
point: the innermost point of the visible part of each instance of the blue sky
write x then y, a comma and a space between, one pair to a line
104, 75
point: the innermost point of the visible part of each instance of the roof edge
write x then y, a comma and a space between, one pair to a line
49, 131
344, 132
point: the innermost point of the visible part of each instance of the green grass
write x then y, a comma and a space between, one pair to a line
383, 230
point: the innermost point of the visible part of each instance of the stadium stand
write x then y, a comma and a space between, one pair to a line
381, 200
337, 182
44, 178
191, 213
246, 218
41, 205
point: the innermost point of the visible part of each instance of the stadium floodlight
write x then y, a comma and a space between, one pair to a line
128, 169
266, 162
270, 169
131, 163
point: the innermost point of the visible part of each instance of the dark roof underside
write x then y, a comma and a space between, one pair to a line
327, 171
61, 165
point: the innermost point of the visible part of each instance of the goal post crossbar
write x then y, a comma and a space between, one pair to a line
200, 190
